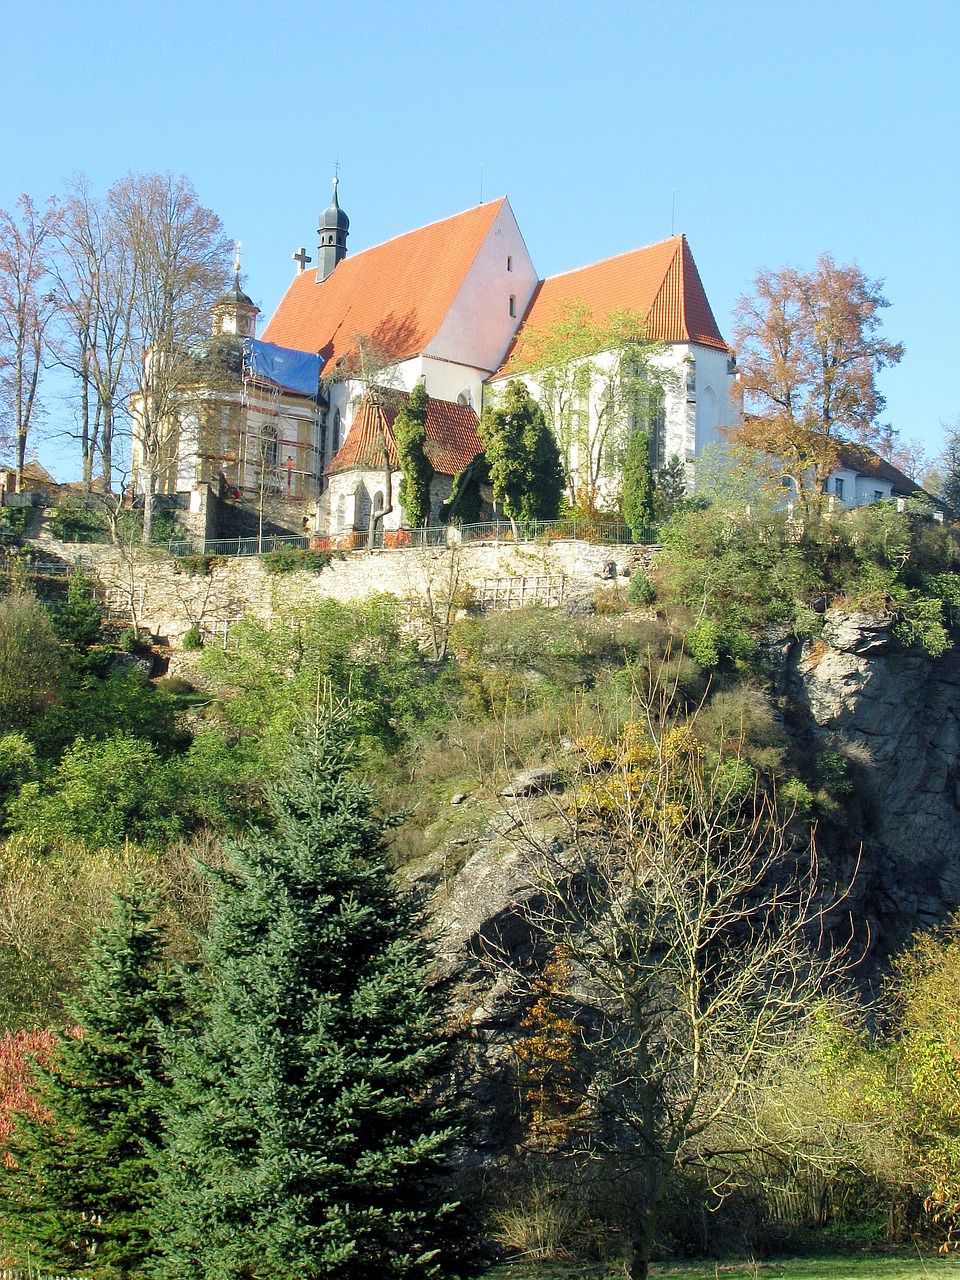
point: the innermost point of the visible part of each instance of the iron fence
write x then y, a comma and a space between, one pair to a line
238, 546
598, 532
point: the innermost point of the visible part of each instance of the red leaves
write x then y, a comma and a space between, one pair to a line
18, 1054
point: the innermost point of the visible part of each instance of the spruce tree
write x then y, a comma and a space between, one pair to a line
546, 484
525, 469
410, 433
79, 1182
307, 1137
638, 485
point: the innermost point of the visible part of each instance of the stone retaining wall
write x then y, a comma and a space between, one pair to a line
167, 600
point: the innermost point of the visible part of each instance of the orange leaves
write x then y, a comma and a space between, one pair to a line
547, 1067
809, 350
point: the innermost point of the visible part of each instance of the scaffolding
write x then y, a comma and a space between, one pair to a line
268, 461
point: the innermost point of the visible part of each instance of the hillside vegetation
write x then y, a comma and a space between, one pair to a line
656, 715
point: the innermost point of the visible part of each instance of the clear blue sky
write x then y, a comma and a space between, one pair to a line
778, 131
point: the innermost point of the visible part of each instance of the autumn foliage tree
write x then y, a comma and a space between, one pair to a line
810, 349
20, 1051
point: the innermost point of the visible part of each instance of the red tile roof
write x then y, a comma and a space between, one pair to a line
397, 294
453, 437
660, 282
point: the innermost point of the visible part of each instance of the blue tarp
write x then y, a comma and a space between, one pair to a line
293, 370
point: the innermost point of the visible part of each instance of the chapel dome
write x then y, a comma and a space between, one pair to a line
234, 297
333, 218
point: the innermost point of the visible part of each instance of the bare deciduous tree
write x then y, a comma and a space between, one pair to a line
96, 290
690, 910
181, 262
27, 305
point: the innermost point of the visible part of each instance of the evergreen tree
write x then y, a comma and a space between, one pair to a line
410, 433
77, 621
523, 457
546, 483
638, 485
79, 1182
306, 1137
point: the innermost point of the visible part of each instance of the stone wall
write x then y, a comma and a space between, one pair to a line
168, 600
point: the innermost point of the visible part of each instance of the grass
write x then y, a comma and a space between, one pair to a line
841, 1267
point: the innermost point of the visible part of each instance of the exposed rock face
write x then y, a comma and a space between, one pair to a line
895, 712
902, 710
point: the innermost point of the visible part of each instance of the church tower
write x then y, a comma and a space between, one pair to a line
234, 314
334, 225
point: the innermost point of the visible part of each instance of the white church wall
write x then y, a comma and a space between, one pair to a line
448, 381
491, 302
714, 391
696, 401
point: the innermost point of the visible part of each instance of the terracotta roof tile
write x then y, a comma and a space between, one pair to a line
397, 293
453, 437
661, 282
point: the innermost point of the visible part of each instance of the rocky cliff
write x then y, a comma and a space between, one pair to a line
853, 690
898, 713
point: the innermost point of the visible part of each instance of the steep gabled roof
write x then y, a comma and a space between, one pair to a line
453, 436
660, 282
397, 294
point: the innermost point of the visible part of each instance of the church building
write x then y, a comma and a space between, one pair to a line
441, 306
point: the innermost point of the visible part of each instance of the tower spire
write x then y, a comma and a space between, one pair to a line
333, 230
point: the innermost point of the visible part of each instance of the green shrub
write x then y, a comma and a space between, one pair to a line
703, 642
75, 524
130, 642
193, 640
165, 527
833, 773
921, 624
13, 520
641, 590
196, 566
291, 559
104, 792
77, 620
795, 794
175, 685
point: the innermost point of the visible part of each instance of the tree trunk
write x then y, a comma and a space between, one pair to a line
148, 509
387, 501
106, 447
642, 1242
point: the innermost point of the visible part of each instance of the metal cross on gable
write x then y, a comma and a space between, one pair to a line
301, 258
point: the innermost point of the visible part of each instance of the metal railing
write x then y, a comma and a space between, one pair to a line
602, 532
238, 546
598, 532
